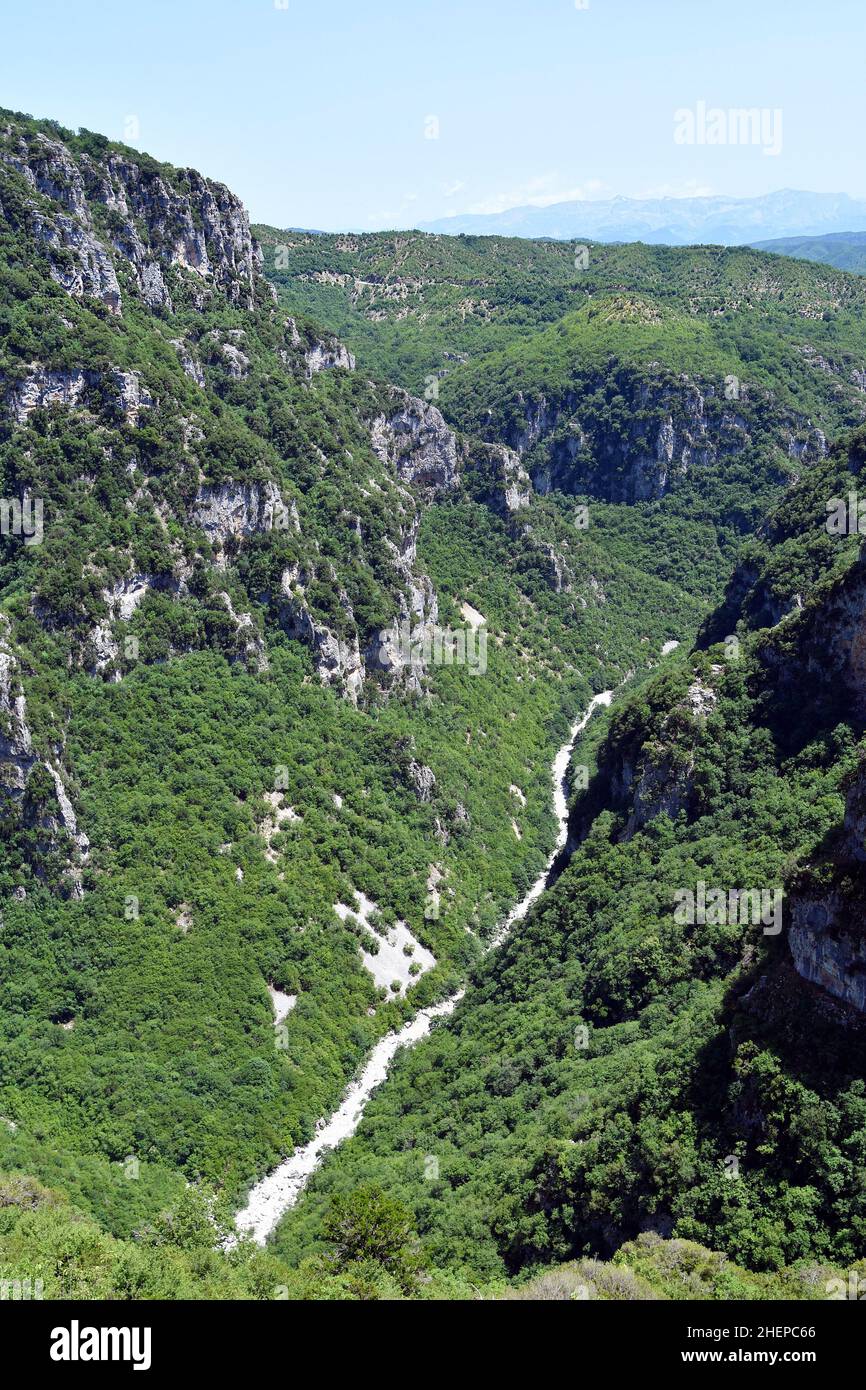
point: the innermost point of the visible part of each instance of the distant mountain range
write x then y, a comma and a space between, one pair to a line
845, 250
672, 221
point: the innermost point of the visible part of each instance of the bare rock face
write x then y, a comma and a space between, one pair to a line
154, 222
554, 568
132, 396
122, 599
90, 269
189, 361
675, 424
16, 741
337, 659
819, 651
231, 511
396, 653
828, 947
249, 640
650, 771
226, 351
414, 439
684, 439
657, 788
516, 483
327, 356
827, 931
198, 225
19, 759
422, 779
43, 389
495, 475
809, 446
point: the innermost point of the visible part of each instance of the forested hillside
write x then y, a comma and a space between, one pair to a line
211, 732
253, 818
630, 1068
846, 250
715, 1091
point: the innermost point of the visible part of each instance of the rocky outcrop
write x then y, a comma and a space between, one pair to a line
337, 658
670, 426
122, 600
16, 741
422, 779
494, 474
20, 762
43, 389
397, 652
516, 483
78, 261
827, 935
250, 643
189, 361
413, 438
132, 396
646, 768
154, 218
817, 656
655, 788
324, 356
231, 511
225, 351
828, 946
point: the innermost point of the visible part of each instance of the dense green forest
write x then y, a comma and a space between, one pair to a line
846, 250
713, 1095
623, 468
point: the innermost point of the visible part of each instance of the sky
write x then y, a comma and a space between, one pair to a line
373, 114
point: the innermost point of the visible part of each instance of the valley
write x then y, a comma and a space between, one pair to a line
272, 1197
251, 758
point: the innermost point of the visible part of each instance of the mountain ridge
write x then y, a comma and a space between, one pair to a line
714, 219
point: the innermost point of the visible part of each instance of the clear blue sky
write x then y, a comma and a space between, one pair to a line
315, 113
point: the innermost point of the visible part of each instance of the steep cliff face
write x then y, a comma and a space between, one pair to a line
793, 690
242, 460
494, 474
646, 766
206, 471
827, 932
104, 216
827, 940
414, 439
794, 550
35, 807
630, 439
817, 654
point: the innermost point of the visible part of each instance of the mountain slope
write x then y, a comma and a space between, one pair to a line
228, 558
846, 250
675, 1043
415, 308
254, 817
